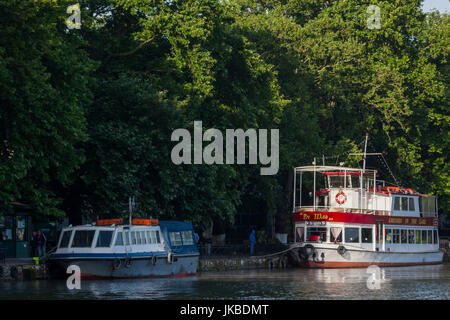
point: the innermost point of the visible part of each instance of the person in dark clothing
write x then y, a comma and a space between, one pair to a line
252, 242
33, 244
41, 241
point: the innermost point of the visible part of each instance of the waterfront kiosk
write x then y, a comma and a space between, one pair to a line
15, 231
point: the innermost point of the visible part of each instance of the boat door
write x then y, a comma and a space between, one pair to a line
127, 239
379, 235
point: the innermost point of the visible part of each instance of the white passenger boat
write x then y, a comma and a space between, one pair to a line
348, 218
110, 249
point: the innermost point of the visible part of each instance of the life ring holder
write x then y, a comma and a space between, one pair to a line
339, 198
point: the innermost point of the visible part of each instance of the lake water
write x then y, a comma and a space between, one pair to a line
421, 282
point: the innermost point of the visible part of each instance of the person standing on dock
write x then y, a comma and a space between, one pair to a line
33, 244
252, 242
41, 241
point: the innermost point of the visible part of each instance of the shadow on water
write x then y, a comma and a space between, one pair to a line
421, 282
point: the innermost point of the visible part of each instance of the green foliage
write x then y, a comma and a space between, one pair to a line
44, 90
137, 70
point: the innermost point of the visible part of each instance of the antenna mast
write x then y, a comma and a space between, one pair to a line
365, 151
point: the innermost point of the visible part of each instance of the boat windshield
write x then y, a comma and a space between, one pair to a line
83, 238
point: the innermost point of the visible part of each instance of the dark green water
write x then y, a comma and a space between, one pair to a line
425, 282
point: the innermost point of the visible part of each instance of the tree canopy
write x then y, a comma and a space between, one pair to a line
87, 114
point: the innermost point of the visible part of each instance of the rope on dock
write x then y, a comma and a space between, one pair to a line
276, 253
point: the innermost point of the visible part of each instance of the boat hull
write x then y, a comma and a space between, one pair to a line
91, 268
364, 258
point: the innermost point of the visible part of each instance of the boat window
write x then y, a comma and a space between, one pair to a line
352, 235
158, 240
299, 234
404, 203
187, 238
104, 238
366, 235
424, 236
144, 240
395, 236
404, 238
127, 238
153, 234
335, 234
337, 181
315, 234
65, 239
355, 181
175, 238
149, 236
133, 237
83, 238
418, 237
411, 236
411, 204
396, 203
430, 236
119, 239
435, 236
138, 237
388, 236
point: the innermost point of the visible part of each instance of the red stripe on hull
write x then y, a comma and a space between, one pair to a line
335, 265
93, 277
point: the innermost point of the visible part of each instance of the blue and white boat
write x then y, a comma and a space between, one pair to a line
144, 249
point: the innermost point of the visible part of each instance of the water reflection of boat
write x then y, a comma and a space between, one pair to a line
354, 220
110, 249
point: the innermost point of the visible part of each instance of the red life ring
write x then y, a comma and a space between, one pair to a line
341, 197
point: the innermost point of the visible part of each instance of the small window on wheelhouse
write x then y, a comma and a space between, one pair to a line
411, 204
187, 238
104, 239
83, 238
149, 237
175, 238
143, 237
396, 203
127, 238
119, 239
388, 236
418, 237
435, 237
355, 181
352, 235
65, 239
158, 239
411, 237
404, 237
404, 204
395, 236
133, 237
366, 235
335, 234
299, 234
316, 234
430, 236
424, 236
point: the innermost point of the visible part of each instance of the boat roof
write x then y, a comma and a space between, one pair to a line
332, 168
